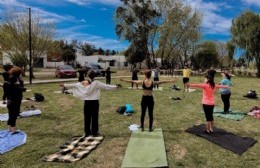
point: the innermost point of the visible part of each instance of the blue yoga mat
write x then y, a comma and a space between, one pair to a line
9, 141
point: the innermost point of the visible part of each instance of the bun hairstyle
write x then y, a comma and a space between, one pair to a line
210, 81
91, 74
148, 73
15, 71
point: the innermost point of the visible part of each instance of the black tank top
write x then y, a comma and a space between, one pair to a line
148, 88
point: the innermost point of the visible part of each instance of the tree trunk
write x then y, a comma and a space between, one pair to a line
258, 66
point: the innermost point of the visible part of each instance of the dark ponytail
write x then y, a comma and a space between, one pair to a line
210, 81
227, 76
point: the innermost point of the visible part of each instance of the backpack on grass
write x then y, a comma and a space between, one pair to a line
251, 94
121, 109
38, 97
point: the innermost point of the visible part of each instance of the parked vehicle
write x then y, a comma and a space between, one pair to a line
97, 69
65, 71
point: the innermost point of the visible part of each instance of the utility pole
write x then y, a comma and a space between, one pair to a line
30, 47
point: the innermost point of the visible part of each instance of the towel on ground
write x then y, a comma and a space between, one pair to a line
28, 113
74, 150
232, 115
9, 141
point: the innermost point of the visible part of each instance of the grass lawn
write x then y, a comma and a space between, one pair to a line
62, 118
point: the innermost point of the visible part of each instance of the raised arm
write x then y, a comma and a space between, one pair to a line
131, 81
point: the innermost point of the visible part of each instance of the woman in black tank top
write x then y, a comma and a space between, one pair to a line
147, 99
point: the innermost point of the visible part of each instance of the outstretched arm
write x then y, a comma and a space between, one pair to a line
222, 86
166, 81
196, 85
131, 81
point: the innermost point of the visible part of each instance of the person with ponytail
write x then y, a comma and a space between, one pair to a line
208, 100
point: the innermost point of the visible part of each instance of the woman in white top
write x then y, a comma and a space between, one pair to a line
89, 91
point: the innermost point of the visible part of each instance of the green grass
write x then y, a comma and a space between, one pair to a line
62, 118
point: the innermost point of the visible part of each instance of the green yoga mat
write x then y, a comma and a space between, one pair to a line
145, 149
232, 115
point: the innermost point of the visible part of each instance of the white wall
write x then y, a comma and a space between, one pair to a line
52, 64
120, 59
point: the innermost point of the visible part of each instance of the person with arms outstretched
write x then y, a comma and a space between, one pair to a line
89, 91
147, 98
208, 100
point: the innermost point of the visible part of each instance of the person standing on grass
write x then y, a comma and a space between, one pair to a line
89, 91
210, 72
14, 94
186, 72
225, 92
5, 74
108, 75
156, 77
147, 99
208, 100
82, 74
134, 76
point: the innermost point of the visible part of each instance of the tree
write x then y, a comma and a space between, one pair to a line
230, 47
14, 35
107, 52
179, 32
133, 24
207, 55
245, 31
101, 51
54, 52
134, 55
68, 52
87, 49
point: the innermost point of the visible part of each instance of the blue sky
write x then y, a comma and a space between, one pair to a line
91, 21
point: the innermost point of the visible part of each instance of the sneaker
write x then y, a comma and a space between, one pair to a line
151, 130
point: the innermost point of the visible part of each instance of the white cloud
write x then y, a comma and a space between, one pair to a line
74, 33
88, 2
252, 2
36, 11
212, 21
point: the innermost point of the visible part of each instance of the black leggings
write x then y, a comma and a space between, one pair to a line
13, 112
147, 102
225, 98
5, 88
208, 111
156, 85
91, 109
108, 81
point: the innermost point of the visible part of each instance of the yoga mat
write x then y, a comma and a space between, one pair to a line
9, 141
28, 113
232, 115
145, 149
75, 149
140, 88
227, 140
